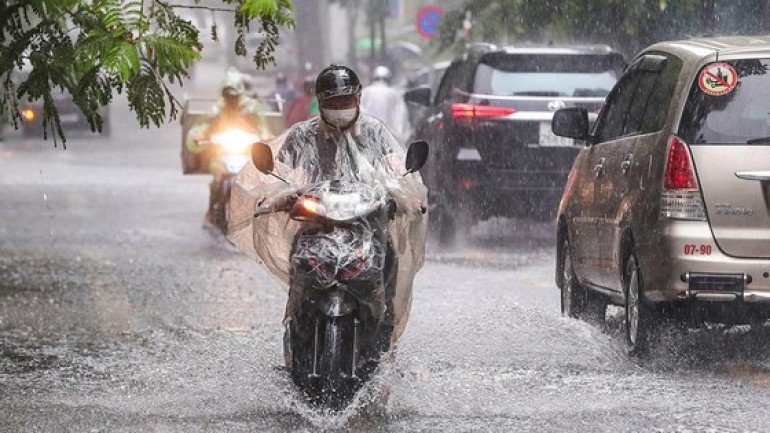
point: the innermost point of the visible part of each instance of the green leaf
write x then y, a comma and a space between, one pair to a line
122, 60
214, 35
259, 8
240, 45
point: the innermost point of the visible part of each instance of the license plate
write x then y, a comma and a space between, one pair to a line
342, 206
549, 139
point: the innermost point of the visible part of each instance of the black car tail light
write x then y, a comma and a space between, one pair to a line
471, 111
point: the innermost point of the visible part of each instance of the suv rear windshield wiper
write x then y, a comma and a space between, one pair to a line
763, 140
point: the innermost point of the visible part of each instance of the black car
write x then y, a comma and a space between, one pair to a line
70, 116
490, 127
428, 76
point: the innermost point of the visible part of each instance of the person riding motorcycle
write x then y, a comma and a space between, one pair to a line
282, 88
384, 102
304, 106
233, 109
342, 143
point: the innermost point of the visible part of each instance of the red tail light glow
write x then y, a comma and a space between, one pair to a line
679, 169
468, 182
681, 198
470, 111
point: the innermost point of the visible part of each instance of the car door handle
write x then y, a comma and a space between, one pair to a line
763, 176
626, 164
599, 167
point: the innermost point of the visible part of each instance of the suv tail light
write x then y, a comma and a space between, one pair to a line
680, 197
470, 111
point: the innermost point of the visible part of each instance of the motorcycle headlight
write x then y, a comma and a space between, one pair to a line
235, 140
307, 208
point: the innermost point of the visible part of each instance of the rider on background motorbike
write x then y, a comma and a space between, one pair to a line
384, 102
233, 109
304, 106
283, 89
341, 143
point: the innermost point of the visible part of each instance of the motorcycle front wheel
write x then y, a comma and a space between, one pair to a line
220, 212
333, 377
333, 385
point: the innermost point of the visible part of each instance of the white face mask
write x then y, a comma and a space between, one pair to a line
339, 118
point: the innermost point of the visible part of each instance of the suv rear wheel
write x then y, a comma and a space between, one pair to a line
638, 314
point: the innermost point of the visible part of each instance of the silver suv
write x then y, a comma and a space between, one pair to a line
667, 208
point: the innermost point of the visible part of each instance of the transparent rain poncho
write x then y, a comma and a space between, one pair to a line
312, 152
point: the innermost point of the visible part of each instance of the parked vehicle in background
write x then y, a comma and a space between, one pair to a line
428, 76
70, 116
665, 211
495, 154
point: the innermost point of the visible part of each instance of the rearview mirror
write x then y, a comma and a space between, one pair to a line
419, 96
416, 156
262, 157
571, 122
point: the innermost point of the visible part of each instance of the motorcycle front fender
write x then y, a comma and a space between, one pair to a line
337, 303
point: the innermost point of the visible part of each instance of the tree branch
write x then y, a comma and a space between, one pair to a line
183, 6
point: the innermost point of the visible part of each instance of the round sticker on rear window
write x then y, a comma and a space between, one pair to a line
718, 79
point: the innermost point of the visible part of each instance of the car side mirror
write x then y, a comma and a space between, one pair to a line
416, 156
262, 157
420, 96
571, 122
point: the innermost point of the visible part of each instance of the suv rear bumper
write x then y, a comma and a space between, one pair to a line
693, 268
506, 193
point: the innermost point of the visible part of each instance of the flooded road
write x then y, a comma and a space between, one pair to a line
119, 313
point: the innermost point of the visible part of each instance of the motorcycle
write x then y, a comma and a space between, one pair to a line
342, 283
230, 143
231, 150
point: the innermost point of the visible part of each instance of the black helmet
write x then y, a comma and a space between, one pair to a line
336, 80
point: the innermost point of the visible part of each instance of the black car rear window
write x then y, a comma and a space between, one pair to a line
547, 75
738, 116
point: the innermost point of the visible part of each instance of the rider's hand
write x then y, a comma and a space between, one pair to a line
278, 200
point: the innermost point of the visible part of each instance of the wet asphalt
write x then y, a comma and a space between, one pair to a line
120, 313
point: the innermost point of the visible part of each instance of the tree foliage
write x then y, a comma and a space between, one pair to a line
628, 26
93, 49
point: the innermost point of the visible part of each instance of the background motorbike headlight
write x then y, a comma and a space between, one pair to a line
236, 147
235, 140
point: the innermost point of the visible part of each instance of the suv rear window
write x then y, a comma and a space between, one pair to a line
736, 117
547, 75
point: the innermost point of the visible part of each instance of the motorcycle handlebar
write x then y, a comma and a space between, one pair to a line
281, 202
285, 200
